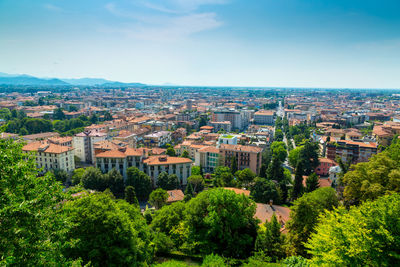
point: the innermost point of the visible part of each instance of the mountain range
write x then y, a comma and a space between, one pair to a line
23, 79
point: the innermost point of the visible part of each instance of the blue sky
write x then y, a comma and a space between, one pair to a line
293, 43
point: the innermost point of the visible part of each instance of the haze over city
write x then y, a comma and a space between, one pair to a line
334, 44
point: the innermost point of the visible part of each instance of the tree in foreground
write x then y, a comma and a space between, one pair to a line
368, 235
372, 179
263, 190
270, 241
221, 221
304, 216
197, 182
31, 224
104, 232
158, 198
245, 177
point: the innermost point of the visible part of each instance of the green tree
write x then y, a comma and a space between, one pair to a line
245, 177
158, 198
309, 156
234, 165
271, 241
370, 180
130, 195
195, 170
223, 177
167, 182
104, 232
77, 176
107, 116
263, 190
115, 182
294, 156
367, 235
189, 192
197, 182
298, 187
312, 182
32, 228
278, 149
275, 170
278, 135
213, 260
59, 114
221, 221
168, 220
93, 118
61, 176
23, 131
93, 179
171, 151
140, 181
304, 216
263, 170
185, 154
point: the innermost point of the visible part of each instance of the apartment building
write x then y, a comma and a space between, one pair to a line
246, 156
233, 116
207, 157
157, 139
123, 158
51, 156
352, 151
264, 117
221, 125
83, 144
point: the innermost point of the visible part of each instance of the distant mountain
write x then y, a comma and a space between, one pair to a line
87, 81
23, 79
28, 80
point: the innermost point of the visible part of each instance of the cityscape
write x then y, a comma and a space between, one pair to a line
118, 169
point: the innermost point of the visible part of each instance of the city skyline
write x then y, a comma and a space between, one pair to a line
205, 42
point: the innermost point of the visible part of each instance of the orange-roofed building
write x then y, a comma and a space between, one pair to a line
324, 165
175, 195
51, 156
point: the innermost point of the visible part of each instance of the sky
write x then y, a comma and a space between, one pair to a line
268, 43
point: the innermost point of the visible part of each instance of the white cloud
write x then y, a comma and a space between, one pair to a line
180, 6
52, 7
170, 25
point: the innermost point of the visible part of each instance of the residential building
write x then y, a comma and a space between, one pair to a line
221, 125
264, 117
84, 144
352, 151
124, 158
324, 165
228, 139
207, 157
246, 156
157, 139
51, 156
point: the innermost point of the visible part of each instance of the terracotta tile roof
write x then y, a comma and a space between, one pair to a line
175, 195
250, 149
158, 151
164, 160
60, 140
210, 149
105, 145
47, 147
264, 212
265, 112
111, 154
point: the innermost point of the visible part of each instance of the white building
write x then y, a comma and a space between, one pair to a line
124, 158
228, 139
51, 156
334, 173
83, 144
